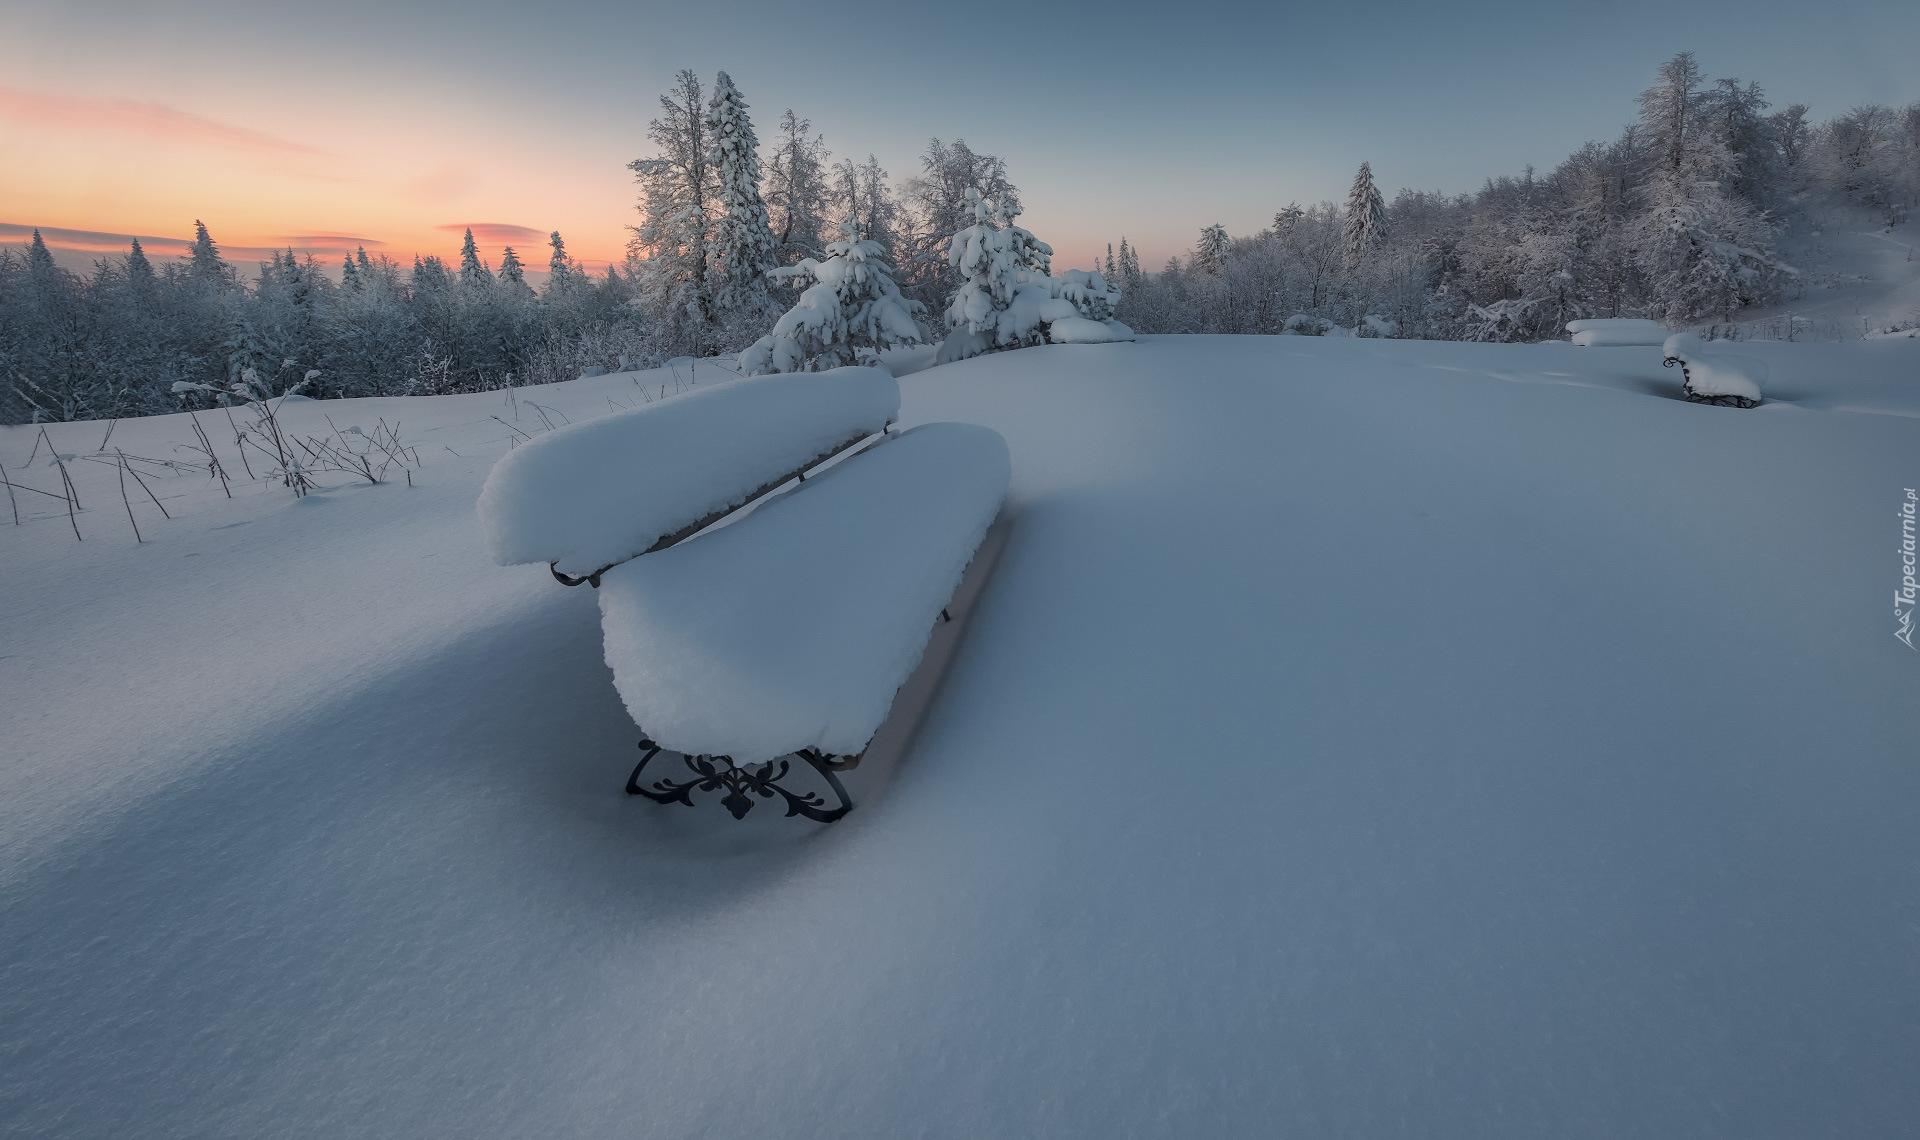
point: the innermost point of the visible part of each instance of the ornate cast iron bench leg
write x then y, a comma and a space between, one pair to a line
742, 783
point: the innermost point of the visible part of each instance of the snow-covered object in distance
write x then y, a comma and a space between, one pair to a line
1713, 376
795, 626
1080, 330
1306, 324
1616, 332
597, 492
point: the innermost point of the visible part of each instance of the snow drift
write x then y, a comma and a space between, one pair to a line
794, 627
1080, 330
596, 493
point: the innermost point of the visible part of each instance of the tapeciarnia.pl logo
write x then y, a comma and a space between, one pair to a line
1904, 596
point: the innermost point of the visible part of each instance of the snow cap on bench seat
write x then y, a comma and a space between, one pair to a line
795, 626
597, 492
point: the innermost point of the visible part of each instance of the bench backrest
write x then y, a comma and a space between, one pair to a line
599, 492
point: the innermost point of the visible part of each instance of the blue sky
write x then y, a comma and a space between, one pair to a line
391, 122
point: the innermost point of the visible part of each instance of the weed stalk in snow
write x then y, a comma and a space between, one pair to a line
73, 496
128, 503
11, 501
143, 484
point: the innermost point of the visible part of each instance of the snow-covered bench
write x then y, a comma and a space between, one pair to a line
1714, 376
1616, 332
787, 632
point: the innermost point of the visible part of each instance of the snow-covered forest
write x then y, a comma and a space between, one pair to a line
1682, 219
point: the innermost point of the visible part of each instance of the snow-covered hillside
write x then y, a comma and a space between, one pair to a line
1357, 738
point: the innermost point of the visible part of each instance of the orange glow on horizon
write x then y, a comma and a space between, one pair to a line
93, 173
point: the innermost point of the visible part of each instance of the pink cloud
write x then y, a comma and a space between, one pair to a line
330, 241
497, 232
125, 115
79, 242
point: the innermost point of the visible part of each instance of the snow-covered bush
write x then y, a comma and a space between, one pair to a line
852, 310
1500, 322
1089, 293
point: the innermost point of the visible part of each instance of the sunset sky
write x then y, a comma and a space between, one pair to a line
397, 125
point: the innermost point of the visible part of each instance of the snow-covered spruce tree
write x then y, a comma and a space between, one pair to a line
560, 274
206, 269
743, 242
1366, 220
513, 275
1210, 252
992, 258
1130, 275
474, 273
849, 314
938, 204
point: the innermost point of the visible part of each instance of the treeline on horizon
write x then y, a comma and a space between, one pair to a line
1678, 219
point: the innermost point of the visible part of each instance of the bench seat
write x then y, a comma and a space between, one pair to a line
793, 627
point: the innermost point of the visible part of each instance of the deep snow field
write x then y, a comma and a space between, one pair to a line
1356, 739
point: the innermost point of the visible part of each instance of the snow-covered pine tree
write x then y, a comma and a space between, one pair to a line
850, 313
349, 274
1210, 252
1366, 220
1130, 275
743, 242
473, 272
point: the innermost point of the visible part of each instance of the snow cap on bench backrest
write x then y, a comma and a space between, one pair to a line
795, 626
604, 490
1614, 332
